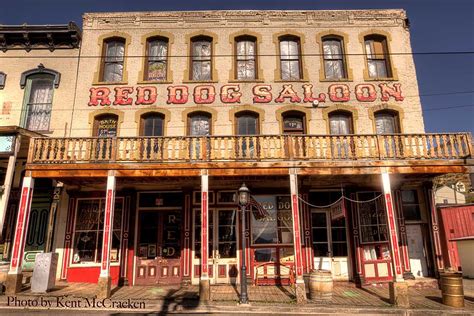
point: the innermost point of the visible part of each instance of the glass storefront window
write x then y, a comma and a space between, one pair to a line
372, 219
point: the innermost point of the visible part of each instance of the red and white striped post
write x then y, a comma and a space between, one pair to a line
105, 279
300, 286
398, 288
15, 277
204, 283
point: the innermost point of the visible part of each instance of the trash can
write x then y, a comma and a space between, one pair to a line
320, 285
451, 289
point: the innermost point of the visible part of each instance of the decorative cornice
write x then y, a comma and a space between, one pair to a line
392, 17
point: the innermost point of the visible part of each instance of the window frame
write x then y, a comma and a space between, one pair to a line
247, 113
297, 40
193, 40
3, 80
345, 75
104, 56
195, 114
148, 61
147, 115
102, 116
369, 40
341, 113
416, 203
27, 104
246, 38
395, 116
293, 114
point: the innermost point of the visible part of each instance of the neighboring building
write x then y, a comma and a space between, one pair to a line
38, 69
449, 195
173, 111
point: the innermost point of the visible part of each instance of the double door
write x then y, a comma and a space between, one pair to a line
158, 259
223, 245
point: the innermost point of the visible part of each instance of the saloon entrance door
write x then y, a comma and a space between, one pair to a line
158, 258
223, 264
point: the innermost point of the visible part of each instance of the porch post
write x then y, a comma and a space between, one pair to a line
15, 277
105, 279
398, 288
204, 283
300, 286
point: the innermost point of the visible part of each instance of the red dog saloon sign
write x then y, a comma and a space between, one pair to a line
233, 93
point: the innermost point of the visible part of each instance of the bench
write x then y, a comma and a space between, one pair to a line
266, 274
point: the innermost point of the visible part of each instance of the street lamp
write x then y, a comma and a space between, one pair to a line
244, 198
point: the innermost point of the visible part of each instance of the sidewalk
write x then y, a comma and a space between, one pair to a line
347, 298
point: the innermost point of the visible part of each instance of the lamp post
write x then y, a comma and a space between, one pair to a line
244, 197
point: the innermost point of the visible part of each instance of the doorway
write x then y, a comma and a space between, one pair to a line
223, 245
416, 251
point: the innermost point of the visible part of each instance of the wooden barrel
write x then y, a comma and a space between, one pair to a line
451, 289
320, 284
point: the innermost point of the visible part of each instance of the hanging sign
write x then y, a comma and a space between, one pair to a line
338, 210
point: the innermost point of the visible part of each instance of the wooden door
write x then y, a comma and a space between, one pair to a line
225, 247
159, 247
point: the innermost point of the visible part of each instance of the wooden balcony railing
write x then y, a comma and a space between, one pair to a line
47, 150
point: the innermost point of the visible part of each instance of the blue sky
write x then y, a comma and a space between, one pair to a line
436, 26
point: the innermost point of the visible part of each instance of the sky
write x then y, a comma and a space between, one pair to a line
446, 81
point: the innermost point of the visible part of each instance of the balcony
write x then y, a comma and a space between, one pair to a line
261, 148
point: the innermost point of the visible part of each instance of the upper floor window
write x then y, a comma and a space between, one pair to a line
152, 124
387, 122
378, 62
3, 78
290, 58
410, 205
39, 100
199, 124
246, 63
157, 59
106, 125
247, 124
340, 123
333, 56
201, 58
113, 57
293, 123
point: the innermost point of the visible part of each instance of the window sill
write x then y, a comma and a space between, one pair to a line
289, 81
336, 80
246, 81
200, 81
103, 83
154, 82
381, 79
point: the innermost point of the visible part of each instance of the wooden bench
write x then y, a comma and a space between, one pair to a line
266, 274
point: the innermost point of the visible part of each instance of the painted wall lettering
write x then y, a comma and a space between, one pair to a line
230, 93
177, 95
288, 92
365, 93
146, 95
205, 94
122, 96
99, 96
261, 93
339, 93
387, 92
308, 94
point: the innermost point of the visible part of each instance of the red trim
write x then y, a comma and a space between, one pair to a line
393, 232
16, 261
91, 274
105, 243
68, 237
296, 222
204, 228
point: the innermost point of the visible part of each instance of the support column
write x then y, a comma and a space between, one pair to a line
300, 286
204, 283
407, 274
398, 288
7, 184
15, 277
105, 279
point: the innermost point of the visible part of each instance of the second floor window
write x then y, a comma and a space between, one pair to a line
152, 124
201, 59
333, 55
293, 123
340, 124
157, 63
106, 125
378, 63
245, 59
290, 59
113, 60
39, 102
386, 123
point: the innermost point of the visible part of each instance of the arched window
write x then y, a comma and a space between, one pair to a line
247, 123
245, 58
38, 101
290, 58
201, 58
199, 124
152, 124
334, 58
156, 59
387, 122
340, 123
105, 125
3, 78
293, 123
378, 61
113, 56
